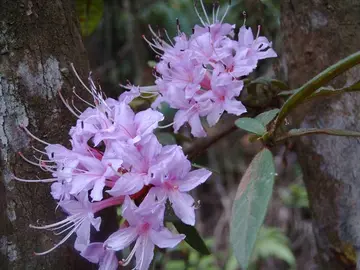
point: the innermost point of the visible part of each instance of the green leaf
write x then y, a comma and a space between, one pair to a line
90, 14
193, 237
250, 205
313, 131
271, 242
232, 263
266, 117
251, 125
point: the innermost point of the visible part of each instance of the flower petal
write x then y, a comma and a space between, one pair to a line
196, 127
121, 239
183, 205
128, 184
93, 252
165, 239
146, 121
144, 253
181, 117
109, 262
193, 179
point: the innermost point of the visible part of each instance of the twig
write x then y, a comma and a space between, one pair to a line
201, 145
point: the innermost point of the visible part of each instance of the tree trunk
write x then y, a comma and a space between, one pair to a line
318, 33
38, 41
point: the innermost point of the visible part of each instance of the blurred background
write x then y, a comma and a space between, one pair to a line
112, 32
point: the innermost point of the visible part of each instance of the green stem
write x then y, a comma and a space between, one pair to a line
311, 86
308, 131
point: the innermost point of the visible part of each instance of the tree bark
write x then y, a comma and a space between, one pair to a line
38, 41
316, 34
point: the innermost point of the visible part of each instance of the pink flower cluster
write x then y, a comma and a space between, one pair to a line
116, 159
201, 75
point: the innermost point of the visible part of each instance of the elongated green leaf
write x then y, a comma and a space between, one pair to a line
250, 205
266, 117
310, 131
252, 125
193, 237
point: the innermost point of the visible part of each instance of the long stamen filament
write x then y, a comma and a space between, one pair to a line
33, 136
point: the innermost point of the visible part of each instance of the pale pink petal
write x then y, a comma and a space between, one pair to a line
181, 117
214, 116
129, 96
93, 252
83, 236
82, 182
97, 191
144, 253
197, 129
128, 184
109, 262
165, 239
246, 36
121, 239
193, 179
235, 107
183, 205
129, 212
146, 121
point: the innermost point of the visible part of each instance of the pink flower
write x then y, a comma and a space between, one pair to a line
146, 228
96, 253
81, 217
137, 161
224, 91
172, 179
93, 176
258, 48
128, 126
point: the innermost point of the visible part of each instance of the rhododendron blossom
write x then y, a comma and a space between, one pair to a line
116, 160
201, 75
115, 156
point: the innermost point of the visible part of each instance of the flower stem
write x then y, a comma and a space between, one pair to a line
315, 83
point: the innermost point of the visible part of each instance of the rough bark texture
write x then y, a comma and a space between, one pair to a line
318, 33
38, 41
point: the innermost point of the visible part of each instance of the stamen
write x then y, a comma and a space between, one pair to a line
217, 12
78, 77
83, 100
42, 152
258, 32
61, 242
125, 262
226, 12
198, 14
67, 104
30, 161
167, 36
72, 103
204, 9
54, 225
166, 126
50, 180
244, 14
33, 136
